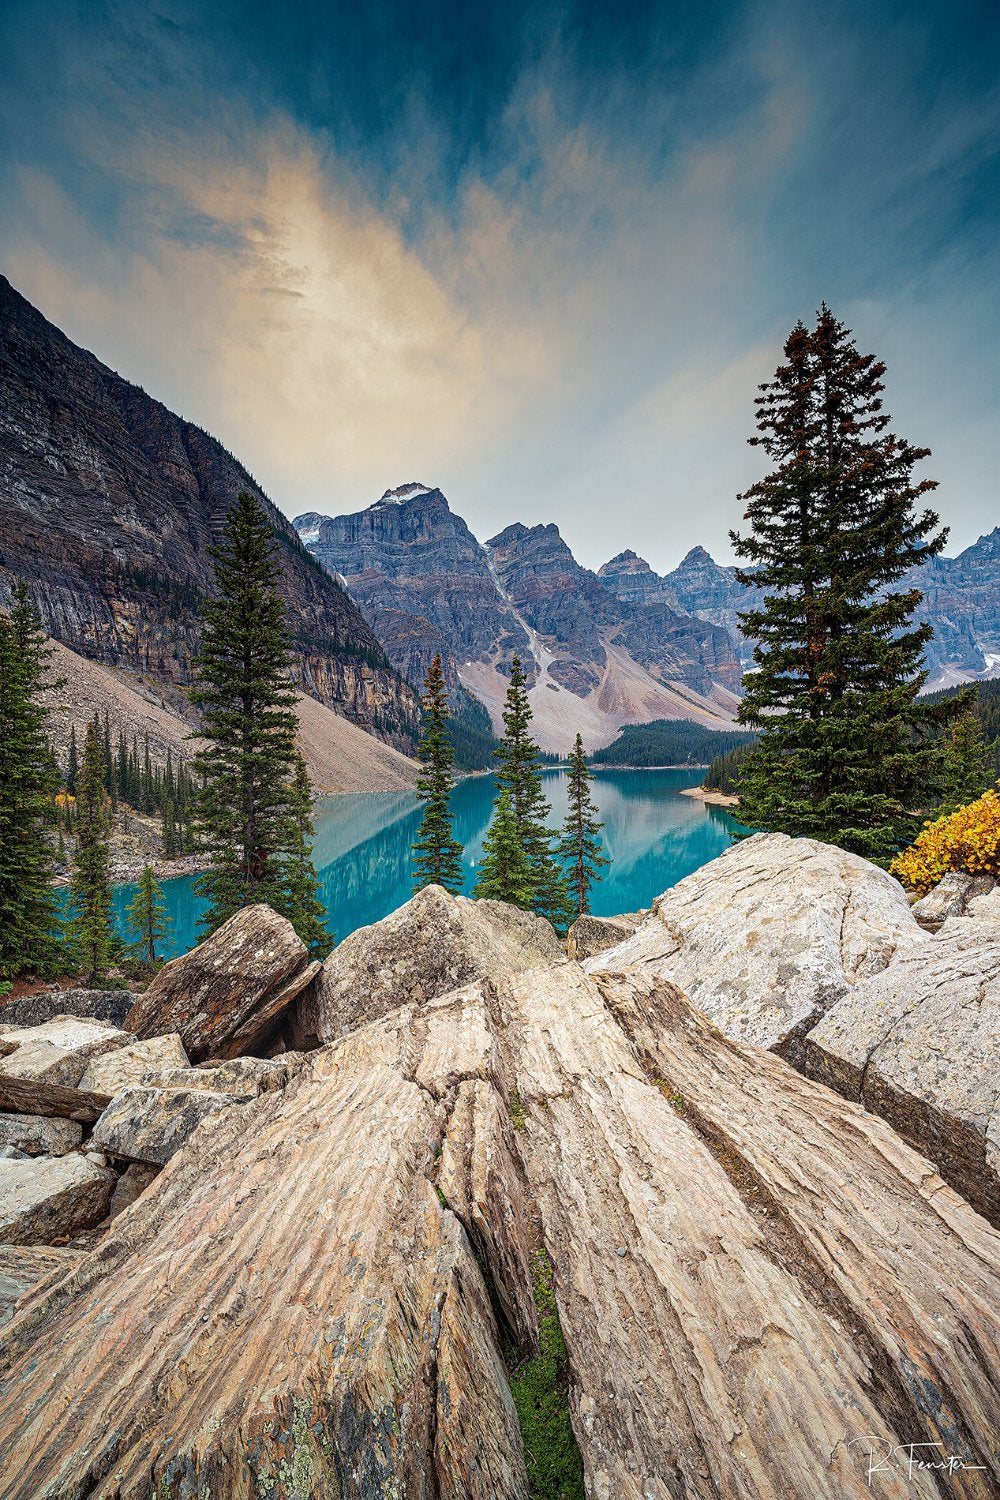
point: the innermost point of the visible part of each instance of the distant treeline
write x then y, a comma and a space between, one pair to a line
130, 777
722, 774
471, 733
671, 742
986, 706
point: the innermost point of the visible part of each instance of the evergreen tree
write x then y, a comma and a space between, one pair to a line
74, 762
505, 873
301, 904
244, 691
966, 770
169, 831
28, 784
92, 929
580, 846
147, 915
437, 854
846, 752
520, 777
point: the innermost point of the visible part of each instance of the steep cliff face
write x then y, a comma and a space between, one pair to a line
629, 577
962, 602
592, 660
109, 505
421, 577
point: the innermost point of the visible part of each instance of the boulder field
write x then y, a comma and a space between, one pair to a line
326, 1278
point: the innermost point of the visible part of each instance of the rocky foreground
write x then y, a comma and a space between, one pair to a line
754, 1137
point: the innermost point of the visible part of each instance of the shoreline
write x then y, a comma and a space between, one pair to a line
128, 873
717, 799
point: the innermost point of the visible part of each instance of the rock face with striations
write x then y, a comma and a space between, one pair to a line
228, 995
312, 1275
108, 505
432, 944
768, 936
919, 1045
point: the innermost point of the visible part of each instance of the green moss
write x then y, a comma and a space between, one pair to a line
518, 1118
540, 1390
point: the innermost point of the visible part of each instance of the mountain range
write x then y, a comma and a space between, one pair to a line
622, 645
110, 503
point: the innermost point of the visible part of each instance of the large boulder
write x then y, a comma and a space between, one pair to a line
149, 1122
920, 1044
59, 1051
46, 1198
768, 936
37, 1136
432, 944
101, 1005
148, 1125
950, 898
114, 1071
228, 995
590, 935
312, 1276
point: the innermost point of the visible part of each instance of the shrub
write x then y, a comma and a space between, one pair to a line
966, 840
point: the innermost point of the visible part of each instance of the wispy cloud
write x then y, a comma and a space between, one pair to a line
564, 319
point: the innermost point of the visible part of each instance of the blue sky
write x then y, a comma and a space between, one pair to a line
537, 254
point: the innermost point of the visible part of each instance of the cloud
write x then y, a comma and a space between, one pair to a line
565, 320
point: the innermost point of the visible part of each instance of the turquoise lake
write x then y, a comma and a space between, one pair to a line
654, 835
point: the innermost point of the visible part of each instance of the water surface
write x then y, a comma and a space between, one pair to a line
654, 835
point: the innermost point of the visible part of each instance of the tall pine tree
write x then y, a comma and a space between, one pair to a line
301, 904
437, 854
92, 929
147, 915
580, 846
846, 752
520, 778
966, 763
28, 783
244, 690
505, 872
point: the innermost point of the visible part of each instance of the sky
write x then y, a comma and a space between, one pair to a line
539, 255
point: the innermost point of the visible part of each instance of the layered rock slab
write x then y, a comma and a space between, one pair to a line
295, 1306
434, 943
919, 1044
288, 1310
708, 1356
45, 1198
768, 936
228, 995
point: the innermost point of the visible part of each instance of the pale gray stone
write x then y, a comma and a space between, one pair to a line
38, 1135
59, 1051
589, 935
919, 1044
114, 1071
768, 936
149, 1124
45, 1198
950, 898
431, 945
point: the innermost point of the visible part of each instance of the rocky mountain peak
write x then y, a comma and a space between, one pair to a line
404, 493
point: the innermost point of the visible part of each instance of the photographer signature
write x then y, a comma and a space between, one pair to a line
885, 1457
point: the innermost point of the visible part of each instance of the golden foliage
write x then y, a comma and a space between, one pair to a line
966, 840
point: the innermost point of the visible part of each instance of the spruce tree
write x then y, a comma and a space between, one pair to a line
966, 763
28, 784
147, 915
245, 694
505, 873
846, 752
520, 777
580, 846
301, 904
92, 927
437, 854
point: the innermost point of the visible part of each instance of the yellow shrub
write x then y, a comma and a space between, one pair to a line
967, 840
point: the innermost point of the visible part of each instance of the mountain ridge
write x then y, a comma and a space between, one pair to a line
110, 504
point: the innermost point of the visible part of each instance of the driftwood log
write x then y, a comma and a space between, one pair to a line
29, 1096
